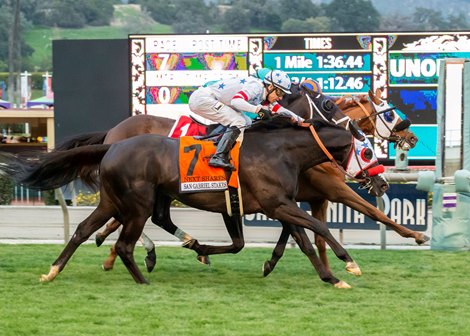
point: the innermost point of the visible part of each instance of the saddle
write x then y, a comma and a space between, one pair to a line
190, 126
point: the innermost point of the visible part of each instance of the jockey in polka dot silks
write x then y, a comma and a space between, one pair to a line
224, 102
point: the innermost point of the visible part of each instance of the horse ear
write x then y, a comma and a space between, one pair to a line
378, 93
375, 98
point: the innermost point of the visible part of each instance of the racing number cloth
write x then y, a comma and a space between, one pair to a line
195, 173
186, 126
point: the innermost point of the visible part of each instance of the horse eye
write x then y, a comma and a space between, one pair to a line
366, 154
328, 105
389, 116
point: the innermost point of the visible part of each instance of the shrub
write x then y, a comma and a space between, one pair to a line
88, 199
6, 190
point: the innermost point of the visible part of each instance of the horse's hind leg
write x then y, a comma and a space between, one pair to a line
112, 226
150, 260
319, 212
125, 246
108, 263
84, 230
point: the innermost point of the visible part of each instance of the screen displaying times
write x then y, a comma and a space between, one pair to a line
166, 69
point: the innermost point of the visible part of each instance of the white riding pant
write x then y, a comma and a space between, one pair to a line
204, 103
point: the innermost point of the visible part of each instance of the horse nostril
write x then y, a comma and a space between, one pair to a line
384, 187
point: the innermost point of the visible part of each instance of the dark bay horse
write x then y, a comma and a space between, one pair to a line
312, 188
136, 172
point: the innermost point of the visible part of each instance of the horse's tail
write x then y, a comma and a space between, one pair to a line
55, 169
93, 138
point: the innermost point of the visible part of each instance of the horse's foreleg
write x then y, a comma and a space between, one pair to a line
305, 245
356, 202
290, 213
84, 230
235, 230
278, 251
112, 226
161, 217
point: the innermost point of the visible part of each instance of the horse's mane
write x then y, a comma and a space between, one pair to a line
348, 102
277, 122
282, 122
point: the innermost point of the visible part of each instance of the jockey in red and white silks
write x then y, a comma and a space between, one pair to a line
224, 102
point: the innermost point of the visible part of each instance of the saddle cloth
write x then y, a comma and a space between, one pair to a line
195, 173
185, 126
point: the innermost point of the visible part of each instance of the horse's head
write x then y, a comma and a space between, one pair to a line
363, 165
376, 117
389, 124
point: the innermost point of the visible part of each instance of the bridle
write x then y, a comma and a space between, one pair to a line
355, 159
383, 128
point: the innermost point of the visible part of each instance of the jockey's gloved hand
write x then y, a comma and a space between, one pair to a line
265, 114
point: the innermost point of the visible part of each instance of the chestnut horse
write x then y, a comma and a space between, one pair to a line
361, 108
136, 173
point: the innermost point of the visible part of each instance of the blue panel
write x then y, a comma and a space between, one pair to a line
425, 148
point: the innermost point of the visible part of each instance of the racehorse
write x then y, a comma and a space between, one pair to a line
135, 173
364, 108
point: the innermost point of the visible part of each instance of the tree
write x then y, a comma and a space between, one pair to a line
72, 13
14, 49
193, 16
235, 22
429, 19
311, 25
296, 9
353, 16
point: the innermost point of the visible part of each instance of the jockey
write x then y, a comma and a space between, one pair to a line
224, 101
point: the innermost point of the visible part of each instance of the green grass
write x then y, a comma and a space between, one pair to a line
400, 293
131, 21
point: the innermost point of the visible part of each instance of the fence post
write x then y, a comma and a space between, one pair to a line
383, 229
60, 197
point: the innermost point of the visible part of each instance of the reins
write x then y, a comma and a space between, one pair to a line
328, 154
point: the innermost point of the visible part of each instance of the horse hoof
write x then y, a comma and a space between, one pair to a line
150, 260
189, 243
53, 272
422, 240
352, 268
106, 267
204, 260
44, 278
99, 240
266, 269
343, 285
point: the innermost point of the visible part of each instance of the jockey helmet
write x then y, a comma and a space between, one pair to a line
311, 85
261, 72
279, 79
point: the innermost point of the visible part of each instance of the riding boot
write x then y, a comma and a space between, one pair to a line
221, 157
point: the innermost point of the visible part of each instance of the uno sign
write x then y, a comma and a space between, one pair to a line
403, 204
